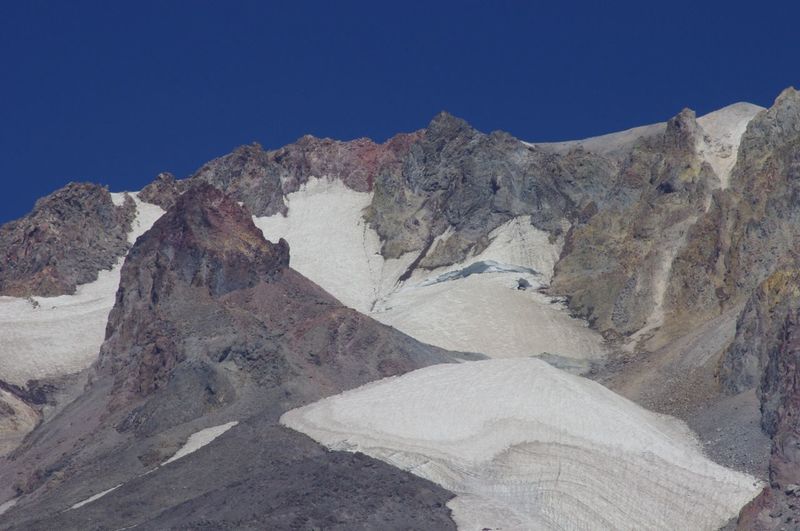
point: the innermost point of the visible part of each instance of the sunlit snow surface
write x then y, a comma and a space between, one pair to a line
332, 244
527, 446
63, 335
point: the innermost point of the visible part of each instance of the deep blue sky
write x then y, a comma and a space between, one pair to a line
115, 92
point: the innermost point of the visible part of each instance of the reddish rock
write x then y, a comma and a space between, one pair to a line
68, 237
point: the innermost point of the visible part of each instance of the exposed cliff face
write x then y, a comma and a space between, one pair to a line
751, 225
455, 177
615, 266
68, 237
766, 354
760, 328
211, 326
357, 163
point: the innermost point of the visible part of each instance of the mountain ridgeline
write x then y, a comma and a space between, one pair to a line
677, 242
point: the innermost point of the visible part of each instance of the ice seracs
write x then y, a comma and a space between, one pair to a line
527, 446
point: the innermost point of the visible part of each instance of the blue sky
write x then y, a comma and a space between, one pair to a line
114, 92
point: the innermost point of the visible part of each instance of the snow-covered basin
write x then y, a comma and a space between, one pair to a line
332, 244
527, 446
486, 312
63, 334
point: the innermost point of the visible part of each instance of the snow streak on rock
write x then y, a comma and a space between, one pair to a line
199, 439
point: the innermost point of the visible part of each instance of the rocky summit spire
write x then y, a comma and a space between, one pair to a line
208, 239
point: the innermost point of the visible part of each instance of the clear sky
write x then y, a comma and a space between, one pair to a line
114, 92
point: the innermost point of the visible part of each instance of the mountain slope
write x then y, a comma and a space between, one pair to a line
526, 446
210, 326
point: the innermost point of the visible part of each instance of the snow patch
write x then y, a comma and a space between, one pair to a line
118, 198
487, 314
525, 445
96, 497
608, 144
62, 335
4, 507
199, 439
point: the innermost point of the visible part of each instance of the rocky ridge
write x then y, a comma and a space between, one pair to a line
68, 237
211, 326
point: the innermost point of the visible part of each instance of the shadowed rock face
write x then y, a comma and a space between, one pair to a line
211, 326
765, 354
68, 237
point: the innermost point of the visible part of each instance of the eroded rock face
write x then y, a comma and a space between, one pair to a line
460, 179
164, 190
260, 179
68, 237
751, 225
760, 328
356, 163
765, 354
249, 175
615, 265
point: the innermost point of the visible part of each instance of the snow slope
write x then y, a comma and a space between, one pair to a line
62, 335
527, 446
486, 312
723, 133
332, 245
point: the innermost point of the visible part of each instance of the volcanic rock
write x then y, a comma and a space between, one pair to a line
68, 237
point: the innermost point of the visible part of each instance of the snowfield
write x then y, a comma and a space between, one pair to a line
332, 245
486, 312
63, 334
527, 446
